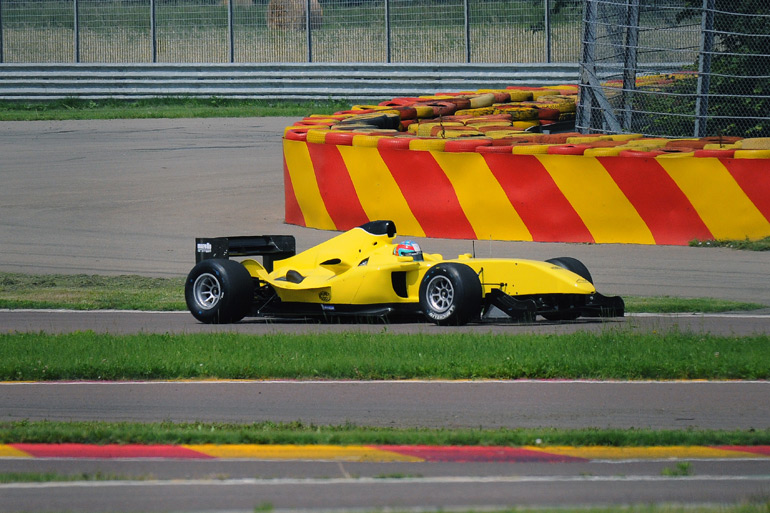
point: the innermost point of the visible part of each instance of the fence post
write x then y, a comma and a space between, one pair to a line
585, 107
547, 30
309, 35
230, 33
704, 68
76, 29
1, 31
387, 31
153, 32
467, 16
629, 60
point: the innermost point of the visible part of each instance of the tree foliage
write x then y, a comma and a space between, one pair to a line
740, 67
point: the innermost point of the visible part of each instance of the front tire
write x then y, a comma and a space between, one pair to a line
219, 291
577, 267
450, 294
574, 265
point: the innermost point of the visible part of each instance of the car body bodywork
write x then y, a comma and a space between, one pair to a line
361, 273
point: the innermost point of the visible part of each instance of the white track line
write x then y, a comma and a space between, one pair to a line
371, 480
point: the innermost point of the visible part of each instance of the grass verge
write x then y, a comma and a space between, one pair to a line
350, 434
95, 292
176, 107
746, 244
91, 292
54, 477
613, 354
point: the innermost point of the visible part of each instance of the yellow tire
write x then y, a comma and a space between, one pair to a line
756, 143
604, 152
368, 141
519, 96
647, 143
521, 113
531, 149
425, 129
483, 111
588, 139
482, 100
541, 93
752, 154
427, 144
381, 108
423, 111
625, 137
483, 124
503, 134
564, 103
523, 125
327, 116
317, 136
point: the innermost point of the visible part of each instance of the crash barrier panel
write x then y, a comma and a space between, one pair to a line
563, 187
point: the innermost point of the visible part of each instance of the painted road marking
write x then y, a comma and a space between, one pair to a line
302, 452
382, 453
372, 480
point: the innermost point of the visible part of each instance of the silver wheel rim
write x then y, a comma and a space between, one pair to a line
440, 294
207, 291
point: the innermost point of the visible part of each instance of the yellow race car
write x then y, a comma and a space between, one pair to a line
364, 273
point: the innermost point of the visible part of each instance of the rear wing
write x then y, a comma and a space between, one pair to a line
269, 247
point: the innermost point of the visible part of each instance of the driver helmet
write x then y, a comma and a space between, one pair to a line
408, 248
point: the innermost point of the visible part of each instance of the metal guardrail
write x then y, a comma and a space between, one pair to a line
296, 81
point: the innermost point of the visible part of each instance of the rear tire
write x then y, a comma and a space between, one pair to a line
450, 294
219, 291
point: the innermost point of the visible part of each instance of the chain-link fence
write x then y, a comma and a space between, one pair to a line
678, 68
243, 31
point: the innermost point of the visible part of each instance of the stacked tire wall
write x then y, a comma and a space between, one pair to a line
461, 165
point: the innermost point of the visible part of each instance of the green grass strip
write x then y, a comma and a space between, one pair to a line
172, 107
91, 292
131, 292
54, 477
350, 434
613, 354
668, 304
746, 244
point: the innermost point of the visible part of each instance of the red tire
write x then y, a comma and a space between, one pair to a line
638, 153
461, 103
296, 135
557, 138
724, 154
406, 113
395, 102
394, 143
340, 138
548, 114
495, 149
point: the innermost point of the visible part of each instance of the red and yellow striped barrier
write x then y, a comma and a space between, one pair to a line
459, 165
641, 197
380, 453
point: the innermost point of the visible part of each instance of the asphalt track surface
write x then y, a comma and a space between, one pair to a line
436, 404
128, 197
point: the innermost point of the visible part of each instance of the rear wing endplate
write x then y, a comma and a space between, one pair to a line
269, 247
